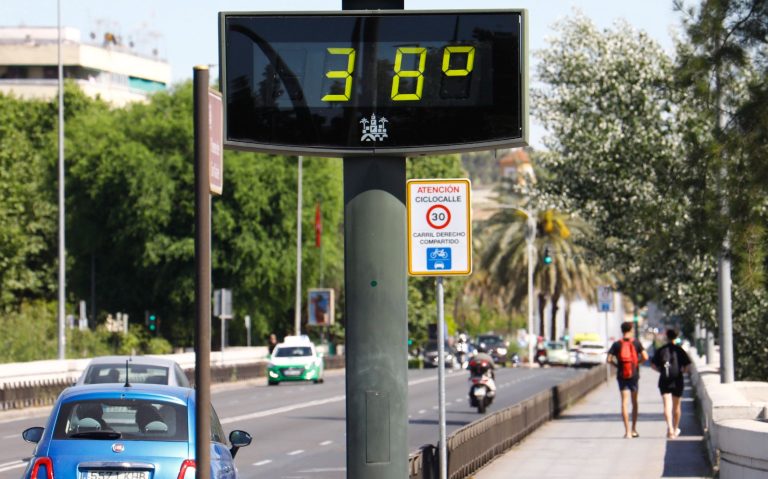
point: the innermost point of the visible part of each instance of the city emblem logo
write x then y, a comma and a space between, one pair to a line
373, 129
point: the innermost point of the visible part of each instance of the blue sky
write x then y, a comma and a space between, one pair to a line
185, 32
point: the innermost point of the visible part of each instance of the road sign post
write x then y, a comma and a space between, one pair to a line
439, 244
605, 305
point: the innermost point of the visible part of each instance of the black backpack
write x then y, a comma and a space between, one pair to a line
669, 368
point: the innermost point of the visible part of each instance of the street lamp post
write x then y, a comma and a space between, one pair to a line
530, 236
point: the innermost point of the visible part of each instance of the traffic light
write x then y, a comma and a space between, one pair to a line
547, 256
152, 323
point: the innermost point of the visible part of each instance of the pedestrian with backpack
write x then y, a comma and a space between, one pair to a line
626, 355
672, 362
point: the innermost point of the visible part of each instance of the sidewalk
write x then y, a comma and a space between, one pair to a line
587, 442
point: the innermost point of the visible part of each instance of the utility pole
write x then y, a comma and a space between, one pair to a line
530, 237
202, 275
297, 314
62, 250
724, 260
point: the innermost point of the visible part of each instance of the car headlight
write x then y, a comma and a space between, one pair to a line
501, 350
273, 375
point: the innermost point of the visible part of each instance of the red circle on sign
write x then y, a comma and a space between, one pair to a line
446, 217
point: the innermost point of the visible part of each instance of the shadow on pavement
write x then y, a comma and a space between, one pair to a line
609, 417
685, 456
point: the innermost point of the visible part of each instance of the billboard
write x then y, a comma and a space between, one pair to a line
321, 307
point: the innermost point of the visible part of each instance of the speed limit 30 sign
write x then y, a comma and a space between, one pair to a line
439, 227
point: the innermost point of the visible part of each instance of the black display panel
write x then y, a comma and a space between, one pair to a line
374, 82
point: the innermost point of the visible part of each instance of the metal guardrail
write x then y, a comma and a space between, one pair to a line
23, 394
476, 444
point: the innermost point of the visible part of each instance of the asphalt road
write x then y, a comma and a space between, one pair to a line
299, 429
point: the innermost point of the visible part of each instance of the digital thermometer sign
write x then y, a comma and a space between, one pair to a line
382, 82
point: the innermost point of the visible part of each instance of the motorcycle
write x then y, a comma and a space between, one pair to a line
482, 387
515, 360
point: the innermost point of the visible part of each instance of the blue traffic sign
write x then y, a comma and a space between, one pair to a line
438, 259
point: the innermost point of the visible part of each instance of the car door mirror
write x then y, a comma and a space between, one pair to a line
238, 439
33, 434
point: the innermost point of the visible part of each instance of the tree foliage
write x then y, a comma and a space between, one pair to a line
636, 148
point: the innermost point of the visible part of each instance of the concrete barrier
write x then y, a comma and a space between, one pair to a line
734, 418
38, 383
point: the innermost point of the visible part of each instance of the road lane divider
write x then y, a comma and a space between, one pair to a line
293, 407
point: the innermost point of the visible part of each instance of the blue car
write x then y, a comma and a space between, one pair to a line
142, 431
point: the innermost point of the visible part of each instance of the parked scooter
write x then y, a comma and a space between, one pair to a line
482, 387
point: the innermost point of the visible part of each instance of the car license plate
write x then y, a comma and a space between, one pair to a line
117, 475
292, 372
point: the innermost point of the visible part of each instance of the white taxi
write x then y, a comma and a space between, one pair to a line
295, 359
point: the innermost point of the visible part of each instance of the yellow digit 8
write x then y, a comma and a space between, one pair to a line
400, 73
470, 51
347, 74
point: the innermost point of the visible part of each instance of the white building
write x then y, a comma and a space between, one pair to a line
29, 66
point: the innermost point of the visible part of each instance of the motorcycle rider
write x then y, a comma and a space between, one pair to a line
482, 364
462, 350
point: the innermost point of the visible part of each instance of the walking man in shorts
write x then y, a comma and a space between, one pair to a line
626, 355
672, 362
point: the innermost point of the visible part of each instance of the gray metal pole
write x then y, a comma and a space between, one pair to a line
441, 378
376, 308
202, 276
376, 312
710, 348
725, 318
62, 250
607, 346
297, 314
530, 238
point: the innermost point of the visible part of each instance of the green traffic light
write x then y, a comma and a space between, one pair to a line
547, 256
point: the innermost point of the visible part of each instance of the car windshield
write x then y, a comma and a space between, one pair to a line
115, 373
126, 419
556, 346
293, 351
490, 341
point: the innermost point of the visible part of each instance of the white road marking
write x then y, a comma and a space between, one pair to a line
262, 463
8, 466
280, 410
422, 411
323, 469
293, 407
326, 443
11, 436
295, 453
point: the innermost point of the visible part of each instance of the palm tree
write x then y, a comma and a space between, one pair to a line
504, 255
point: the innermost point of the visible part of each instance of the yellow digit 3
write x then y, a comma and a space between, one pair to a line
346, 74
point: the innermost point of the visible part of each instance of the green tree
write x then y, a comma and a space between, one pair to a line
28, 232
725, 68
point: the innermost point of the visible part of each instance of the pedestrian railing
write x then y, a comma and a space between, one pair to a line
23, 394
476, 444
